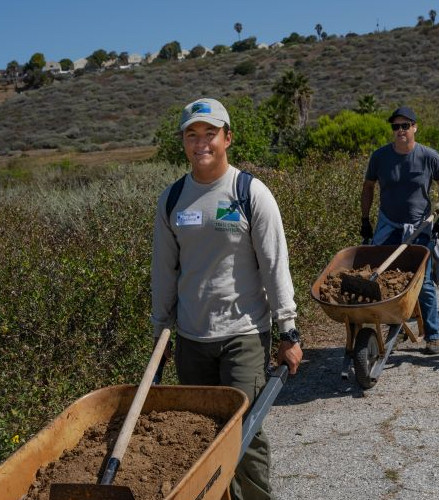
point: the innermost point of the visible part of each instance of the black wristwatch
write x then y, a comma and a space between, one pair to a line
292, 335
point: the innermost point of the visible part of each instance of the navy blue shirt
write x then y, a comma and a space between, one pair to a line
405, 181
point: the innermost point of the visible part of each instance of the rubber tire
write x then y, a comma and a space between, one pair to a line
365, 356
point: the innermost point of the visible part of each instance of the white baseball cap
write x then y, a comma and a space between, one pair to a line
205, 110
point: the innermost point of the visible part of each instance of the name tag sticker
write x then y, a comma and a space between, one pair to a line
189, 218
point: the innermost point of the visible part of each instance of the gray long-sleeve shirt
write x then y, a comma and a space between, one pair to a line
212, 276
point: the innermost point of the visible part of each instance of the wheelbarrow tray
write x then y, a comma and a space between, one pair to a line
208, 477
390, 311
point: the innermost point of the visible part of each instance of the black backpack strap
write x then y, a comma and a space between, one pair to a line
243, 190
174, 194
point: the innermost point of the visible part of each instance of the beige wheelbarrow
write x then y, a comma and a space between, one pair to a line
207, 479
365, 342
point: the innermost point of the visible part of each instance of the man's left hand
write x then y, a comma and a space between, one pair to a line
291, 354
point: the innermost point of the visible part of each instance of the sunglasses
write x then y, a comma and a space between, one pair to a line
403, 126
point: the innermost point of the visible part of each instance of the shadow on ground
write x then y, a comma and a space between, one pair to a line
319, 376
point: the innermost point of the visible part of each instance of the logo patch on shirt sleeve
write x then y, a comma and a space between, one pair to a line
226, 212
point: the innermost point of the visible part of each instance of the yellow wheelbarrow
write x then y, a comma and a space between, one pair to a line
208, 479
365, 342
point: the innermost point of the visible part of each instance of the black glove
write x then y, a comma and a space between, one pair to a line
366, 228
435, 229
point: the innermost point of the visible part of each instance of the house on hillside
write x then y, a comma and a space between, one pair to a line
134, 59
183, 54
262, 46
110, 64
276, 45
80, 63
52, 67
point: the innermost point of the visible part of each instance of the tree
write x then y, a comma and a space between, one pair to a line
293, 38
432, 15
197, 52
37, 61
294, 97
12, 70
169, 51
66, 64
97, 59
243, 45
319, 28
221, 49
238, 28
290, 103
123, 58
367, 104
421, 21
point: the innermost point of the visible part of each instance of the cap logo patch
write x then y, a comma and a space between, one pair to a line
201, 107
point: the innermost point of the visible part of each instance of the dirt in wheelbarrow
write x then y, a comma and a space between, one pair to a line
391, 283
162, 449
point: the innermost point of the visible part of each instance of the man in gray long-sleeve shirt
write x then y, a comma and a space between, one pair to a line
222, 282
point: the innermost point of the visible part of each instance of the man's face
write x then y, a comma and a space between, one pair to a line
205, 145
405, 133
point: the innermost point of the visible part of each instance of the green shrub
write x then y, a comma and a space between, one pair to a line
75, 271
243, 45
197, 52
220, 49
350, 132
247, 67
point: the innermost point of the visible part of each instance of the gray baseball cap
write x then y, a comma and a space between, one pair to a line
205, 110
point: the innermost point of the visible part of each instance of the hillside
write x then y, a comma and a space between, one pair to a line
123, 109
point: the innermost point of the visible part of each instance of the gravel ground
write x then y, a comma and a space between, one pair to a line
332, 440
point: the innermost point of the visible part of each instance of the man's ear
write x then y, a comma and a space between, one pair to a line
415, 127
229, 138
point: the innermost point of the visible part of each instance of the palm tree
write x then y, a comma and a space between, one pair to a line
432, 15
293, 95
238, 28
367, 104
319, 28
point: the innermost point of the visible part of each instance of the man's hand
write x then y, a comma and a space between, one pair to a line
291, 354
366, 230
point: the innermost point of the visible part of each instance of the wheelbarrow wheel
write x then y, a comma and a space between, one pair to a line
365, 356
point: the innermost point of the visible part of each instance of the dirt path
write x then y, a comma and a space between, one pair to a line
332, 440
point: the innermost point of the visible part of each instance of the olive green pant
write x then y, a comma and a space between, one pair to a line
239, 362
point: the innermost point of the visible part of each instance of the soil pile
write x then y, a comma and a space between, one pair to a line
391, 283
162, 449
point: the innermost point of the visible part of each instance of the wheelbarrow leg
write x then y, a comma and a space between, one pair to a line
227, 495
351, 331
378, 368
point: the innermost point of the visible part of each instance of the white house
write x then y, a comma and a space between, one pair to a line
53, 67
134, 59
183, 54
80, 63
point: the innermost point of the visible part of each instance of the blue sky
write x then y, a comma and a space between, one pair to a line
76, 28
